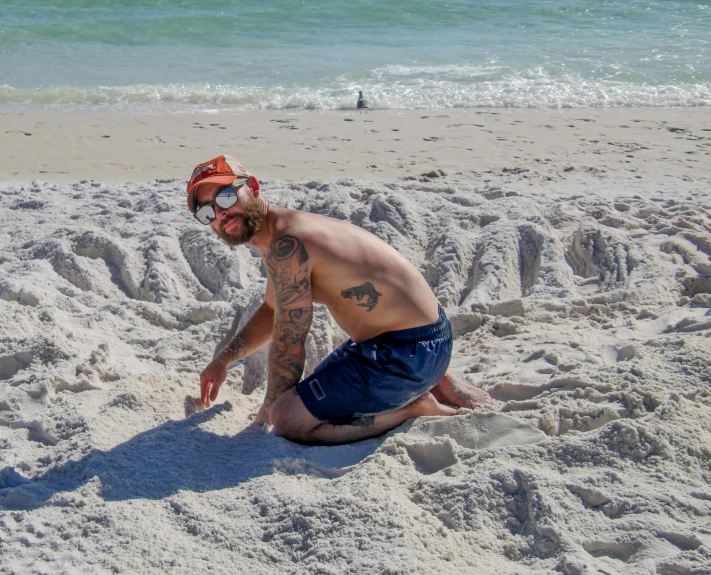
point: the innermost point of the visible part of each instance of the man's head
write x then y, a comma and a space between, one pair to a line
222, 193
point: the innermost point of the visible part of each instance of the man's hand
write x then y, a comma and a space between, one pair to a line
264, 415
211, 378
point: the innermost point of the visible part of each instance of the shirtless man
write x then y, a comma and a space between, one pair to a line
393, 367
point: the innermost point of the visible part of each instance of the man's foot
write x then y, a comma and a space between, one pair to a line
428, 405
453, 391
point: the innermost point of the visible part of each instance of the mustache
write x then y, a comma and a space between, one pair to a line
227, 221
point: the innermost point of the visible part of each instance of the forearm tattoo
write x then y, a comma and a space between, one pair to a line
288, 267
233, 351
366, 290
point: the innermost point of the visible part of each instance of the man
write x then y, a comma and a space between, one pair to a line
394, 365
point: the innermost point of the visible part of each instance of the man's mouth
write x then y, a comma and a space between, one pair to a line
230, 224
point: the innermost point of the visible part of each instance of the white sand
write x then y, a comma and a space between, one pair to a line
580, 299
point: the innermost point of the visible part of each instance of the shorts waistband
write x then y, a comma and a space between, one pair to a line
436, 330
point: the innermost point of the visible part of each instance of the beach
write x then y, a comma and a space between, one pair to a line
544, 165
570, 249
661, 145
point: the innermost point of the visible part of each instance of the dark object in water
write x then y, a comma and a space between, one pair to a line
362, 103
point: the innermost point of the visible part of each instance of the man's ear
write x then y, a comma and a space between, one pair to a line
253, 183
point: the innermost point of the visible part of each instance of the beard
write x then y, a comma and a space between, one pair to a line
251, 224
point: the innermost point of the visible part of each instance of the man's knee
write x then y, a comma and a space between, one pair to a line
280, 416
288, 420
286, 430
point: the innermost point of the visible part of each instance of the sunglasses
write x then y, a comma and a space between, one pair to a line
225, 199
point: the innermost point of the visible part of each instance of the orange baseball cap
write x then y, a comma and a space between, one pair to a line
222, 170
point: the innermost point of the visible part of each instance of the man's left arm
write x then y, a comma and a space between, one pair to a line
289, 268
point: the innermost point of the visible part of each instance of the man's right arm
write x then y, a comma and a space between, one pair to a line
256, 333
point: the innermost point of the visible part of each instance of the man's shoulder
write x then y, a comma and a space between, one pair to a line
300, 224
287, 239
286, 220
281, 223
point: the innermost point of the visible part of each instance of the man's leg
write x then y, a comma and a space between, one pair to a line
453, 391
293, 421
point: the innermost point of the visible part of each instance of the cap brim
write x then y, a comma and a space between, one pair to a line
220, 180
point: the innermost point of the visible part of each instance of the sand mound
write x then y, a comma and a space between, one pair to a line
586, 315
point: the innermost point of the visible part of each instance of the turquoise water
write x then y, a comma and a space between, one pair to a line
194, 55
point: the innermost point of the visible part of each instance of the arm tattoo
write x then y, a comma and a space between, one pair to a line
287, 264
287, 247
232, 351
366, 290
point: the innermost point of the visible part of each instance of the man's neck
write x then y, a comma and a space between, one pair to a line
263, 239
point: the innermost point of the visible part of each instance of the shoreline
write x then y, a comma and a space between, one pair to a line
501, 145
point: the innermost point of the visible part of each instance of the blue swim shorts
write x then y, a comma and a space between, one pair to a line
378, 375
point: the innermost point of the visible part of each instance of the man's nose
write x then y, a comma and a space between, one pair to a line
219, 212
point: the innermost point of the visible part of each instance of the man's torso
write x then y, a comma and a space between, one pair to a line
366, 284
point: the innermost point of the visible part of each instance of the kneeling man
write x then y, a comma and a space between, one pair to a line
393, 367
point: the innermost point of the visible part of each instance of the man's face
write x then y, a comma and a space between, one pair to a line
238, 224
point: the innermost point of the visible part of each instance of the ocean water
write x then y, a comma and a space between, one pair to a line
225, 55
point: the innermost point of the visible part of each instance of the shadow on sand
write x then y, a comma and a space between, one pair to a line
179, 455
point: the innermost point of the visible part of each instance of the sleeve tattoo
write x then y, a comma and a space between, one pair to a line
233, 351
288, 266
